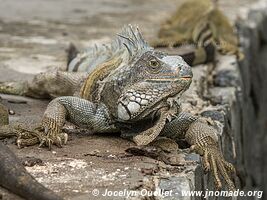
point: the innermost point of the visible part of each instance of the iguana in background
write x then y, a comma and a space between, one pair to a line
129, 87
202, 24
14, 176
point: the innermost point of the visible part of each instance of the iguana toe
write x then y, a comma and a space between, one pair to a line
61, 139
52, 134
213, 161
54, 138
27, 142
27, 136
214, 168
229, 167
206, 164
225, 174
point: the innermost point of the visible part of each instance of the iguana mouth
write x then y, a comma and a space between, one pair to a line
169, 80
186, 77
162, 80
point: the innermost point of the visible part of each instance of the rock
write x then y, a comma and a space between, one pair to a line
226, 78
176, 185
253, 34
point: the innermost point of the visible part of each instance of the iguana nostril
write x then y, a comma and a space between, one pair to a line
186, 71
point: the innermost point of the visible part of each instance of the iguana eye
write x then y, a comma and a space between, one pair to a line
154, 64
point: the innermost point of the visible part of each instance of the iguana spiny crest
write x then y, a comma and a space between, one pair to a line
128, 45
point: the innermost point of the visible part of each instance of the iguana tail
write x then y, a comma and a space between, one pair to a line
200, 55
205, 46
203, 42
16, 179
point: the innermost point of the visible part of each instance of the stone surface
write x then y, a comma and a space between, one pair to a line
254, 119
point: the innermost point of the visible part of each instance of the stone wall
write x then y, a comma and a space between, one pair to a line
237, 93
238, 89
253, 140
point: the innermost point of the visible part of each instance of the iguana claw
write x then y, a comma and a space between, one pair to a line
213, 161
52, 133
53, 137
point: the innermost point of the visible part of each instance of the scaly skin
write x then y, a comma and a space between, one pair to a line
206, 145
46, 85
134, 89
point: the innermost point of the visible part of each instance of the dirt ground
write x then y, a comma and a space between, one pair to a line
34, 35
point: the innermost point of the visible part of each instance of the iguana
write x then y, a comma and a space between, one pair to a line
202, 24
14, 176
129, 87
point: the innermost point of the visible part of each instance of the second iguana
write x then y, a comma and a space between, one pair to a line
202, 24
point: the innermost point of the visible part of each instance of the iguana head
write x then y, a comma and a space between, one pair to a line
131, 78
156, 78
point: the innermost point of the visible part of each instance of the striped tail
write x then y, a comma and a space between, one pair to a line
200, 55
205, 46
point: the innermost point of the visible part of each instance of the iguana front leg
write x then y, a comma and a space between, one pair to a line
81, 112
203, 139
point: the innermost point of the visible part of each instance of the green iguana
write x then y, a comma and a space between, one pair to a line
202, 24
128, 87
